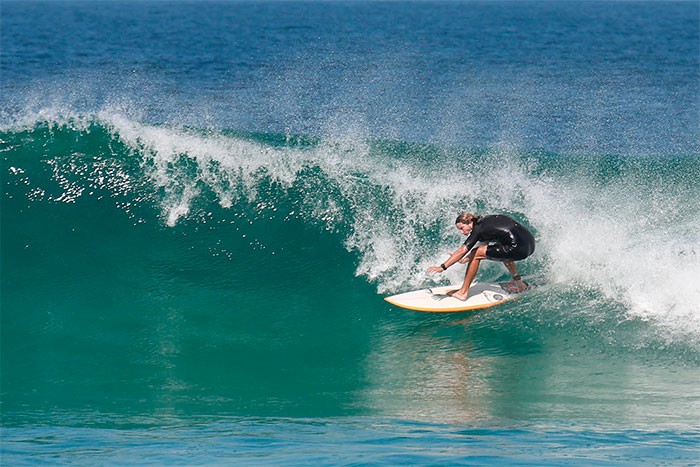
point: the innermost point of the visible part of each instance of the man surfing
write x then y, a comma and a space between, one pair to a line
509, 242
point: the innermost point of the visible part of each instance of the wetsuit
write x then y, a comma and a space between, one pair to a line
511, 241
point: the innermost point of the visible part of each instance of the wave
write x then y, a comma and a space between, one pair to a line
621, 228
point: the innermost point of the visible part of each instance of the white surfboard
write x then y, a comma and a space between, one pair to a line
481, 295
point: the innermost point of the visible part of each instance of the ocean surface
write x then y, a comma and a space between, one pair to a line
205, 203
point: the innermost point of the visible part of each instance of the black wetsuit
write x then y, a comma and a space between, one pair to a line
511, 241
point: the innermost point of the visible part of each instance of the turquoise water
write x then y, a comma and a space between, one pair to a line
343, 441
195, 246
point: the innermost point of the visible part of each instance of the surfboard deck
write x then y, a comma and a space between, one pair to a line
436, 300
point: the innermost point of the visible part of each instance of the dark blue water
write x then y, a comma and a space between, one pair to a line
562, 76
204, 204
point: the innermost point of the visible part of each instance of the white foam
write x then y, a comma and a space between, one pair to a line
623, 240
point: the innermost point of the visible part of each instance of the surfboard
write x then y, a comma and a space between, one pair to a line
481, 295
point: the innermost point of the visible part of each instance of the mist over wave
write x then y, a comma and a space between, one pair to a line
623, 229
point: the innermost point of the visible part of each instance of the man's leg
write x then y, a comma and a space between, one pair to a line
475, 258
516, 285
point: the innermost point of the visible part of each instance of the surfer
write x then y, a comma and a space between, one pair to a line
509, 242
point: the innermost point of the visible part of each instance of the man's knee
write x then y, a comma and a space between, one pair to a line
480, 252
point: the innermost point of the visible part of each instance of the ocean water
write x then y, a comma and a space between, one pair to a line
204, 204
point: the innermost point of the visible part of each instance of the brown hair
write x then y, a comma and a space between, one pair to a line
466, 218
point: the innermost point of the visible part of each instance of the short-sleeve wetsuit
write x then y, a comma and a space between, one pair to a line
510, 240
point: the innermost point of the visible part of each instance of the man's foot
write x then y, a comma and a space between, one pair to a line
516, 286
457, 295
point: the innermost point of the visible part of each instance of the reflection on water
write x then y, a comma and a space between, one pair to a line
475, 369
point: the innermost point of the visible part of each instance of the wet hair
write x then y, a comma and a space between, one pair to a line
466, 218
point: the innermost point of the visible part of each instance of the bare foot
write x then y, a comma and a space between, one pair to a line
516, 286
457, 295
